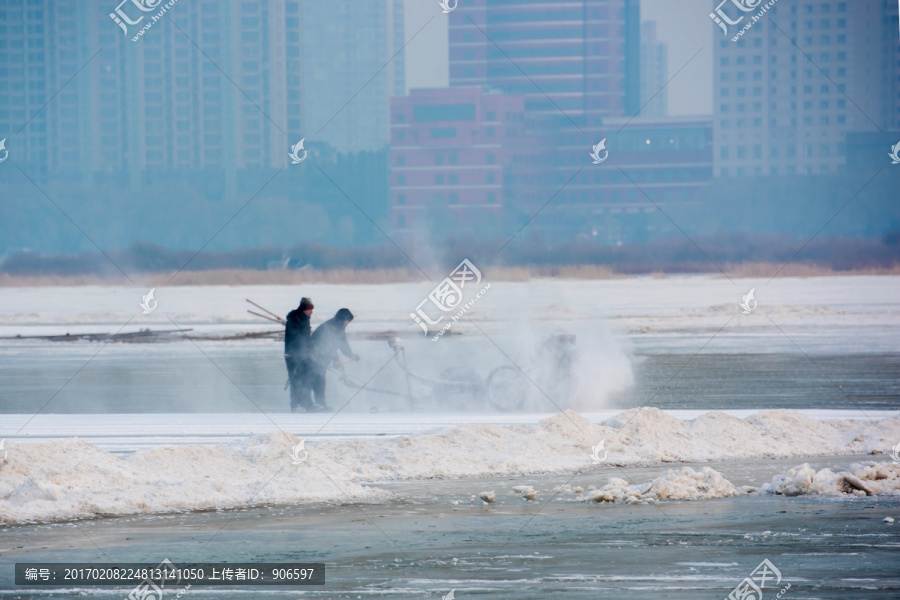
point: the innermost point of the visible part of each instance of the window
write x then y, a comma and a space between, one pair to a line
443, 132
444, 112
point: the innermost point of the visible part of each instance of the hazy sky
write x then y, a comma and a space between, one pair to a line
682, 24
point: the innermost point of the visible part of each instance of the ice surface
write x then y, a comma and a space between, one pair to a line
860, 310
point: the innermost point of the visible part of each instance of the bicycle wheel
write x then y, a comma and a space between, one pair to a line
507, 388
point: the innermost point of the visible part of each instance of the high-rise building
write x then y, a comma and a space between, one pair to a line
575, 59
791, 89
458, 159
654, 73
576, 63
206, 90
359, 65
209, 89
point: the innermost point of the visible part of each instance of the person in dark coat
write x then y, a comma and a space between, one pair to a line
328, 338
297, 357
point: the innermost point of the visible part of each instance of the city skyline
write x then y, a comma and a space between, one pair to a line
212, 101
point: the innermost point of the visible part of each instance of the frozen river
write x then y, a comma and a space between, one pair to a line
410, 523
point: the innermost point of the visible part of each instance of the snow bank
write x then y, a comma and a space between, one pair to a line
861, 480
70, 479
66, 479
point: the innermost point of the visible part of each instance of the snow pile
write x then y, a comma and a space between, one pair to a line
66, 479
70, 479
651, 435
686, 484
488, 497
861, 480
526, 491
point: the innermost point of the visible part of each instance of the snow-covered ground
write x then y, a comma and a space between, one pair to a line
854, 314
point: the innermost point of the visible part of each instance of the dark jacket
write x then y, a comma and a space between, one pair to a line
329, 337
296, 334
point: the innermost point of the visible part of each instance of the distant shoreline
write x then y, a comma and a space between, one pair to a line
241, 277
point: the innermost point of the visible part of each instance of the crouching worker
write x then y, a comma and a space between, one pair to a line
327, 339
297, 346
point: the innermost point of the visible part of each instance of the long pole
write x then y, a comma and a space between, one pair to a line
268, 318
278, 317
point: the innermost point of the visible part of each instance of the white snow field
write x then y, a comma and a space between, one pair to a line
858, 313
